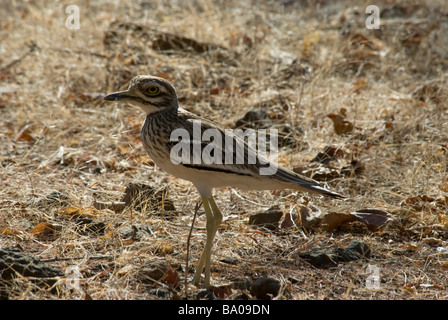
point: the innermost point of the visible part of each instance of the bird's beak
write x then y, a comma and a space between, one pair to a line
116, 96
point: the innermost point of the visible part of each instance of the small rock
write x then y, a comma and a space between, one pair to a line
265, 288
355, 250
13, 260
268, 219
327, 258
154, 271
319, 258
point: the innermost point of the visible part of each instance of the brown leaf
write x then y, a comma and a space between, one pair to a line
373, 218
289, 221
78, 212
9, 232
417, 199
358, 85
25, 135
310, 215
87, 296
332, 221
44, 229
172, 277
341, 126
222, 291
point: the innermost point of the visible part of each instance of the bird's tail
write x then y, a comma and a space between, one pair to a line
303, 183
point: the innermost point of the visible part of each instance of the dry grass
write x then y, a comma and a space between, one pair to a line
57, 134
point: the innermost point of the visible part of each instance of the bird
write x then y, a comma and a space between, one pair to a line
158, 98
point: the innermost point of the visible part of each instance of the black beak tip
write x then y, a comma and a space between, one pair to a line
111, 97
116, 96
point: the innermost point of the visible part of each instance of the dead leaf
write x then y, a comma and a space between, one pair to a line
341, 126
358, 85
313, 217
44, 229
222, 291
289, 221
373, 218
409, 289
333, 220
78, 212
87, 296
9, 232
309, 215
128, 242
172, 277
25, 135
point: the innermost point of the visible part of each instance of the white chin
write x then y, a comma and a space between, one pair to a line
146, 108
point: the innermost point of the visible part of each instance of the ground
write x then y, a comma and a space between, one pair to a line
374, 99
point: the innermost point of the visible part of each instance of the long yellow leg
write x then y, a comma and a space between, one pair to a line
217, 214
197, 275
214, 218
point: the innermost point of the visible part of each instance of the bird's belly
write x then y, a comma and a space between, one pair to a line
214, 179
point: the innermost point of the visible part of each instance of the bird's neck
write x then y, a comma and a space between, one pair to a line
152, 110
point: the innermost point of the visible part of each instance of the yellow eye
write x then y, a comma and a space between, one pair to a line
153, 90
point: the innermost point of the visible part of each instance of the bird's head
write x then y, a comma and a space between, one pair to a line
149, 93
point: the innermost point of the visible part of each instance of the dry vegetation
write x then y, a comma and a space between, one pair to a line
67, 156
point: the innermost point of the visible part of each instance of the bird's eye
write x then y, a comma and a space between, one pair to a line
153, 90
